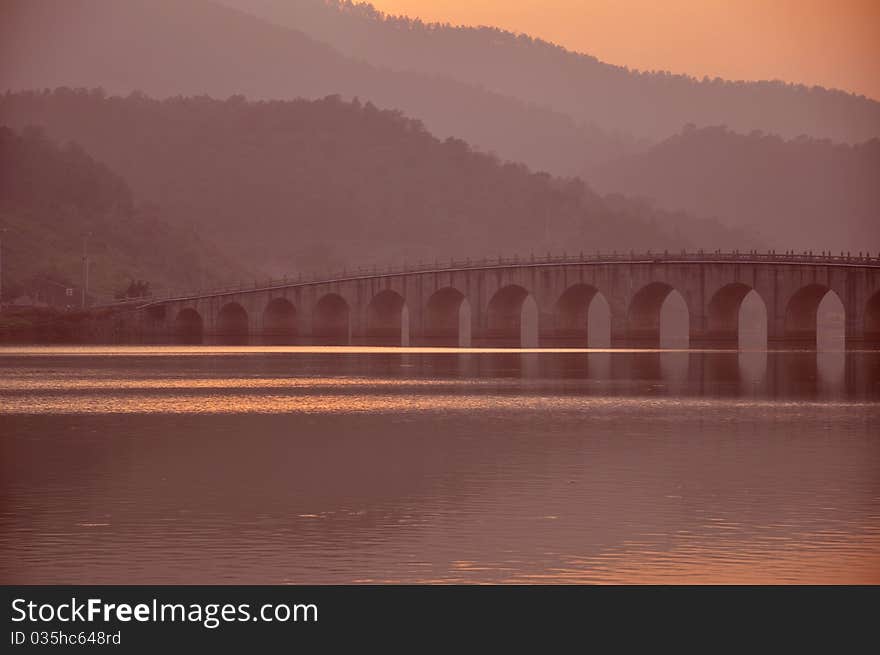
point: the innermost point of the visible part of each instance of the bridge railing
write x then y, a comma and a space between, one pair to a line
582, 257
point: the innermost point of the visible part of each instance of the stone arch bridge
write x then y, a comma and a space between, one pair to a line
549, 302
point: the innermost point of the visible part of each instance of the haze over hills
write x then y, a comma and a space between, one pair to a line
51, 195
646, 104
316, 185
215, 164
801, 193
189, 47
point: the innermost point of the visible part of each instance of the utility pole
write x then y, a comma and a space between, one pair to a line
85, 287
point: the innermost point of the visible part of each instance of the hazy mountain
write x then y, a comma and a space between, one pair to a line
167, 48
189, 47
51, 195
650, 104
802, 193
306, 185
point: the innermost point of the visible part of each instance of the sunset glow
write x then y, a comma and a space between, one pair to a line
833, 44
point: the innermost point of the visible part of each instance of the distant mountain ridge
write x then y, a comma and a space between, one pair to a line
802, 193
646, 104
189, 47
316, 185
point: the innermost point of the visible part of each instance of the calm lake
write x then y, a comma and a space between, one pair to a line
332, 465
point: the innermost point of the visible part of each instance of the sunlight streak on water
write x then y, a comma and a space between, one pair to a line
327, 402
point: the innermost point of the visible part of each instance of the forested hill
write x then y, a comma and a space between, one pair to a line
51, 195
305, 185
650, 104
801, 193
191, 47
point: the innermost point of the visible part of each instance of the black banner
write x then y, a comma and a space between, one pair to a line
136, 619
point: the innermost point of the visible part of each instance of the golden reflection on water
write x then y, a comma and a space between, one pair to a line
701, 561
330, 403
802, 558
38, 382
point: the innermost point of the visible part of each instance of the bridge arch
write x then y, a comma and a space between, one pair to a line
447, 319
737, 315
388, 318
189, 326
279, 318
872, 318
512, 318
815, 317
583, 318
658, 316
331, 320
232, 320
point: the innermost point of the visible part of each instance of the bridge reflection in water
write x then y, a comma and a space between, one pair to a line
668, 301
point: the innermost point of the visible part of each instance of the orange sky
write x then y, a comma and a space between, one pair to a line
834, 43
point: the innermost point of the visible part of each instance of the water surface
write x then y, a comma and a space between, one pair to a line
331, 465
